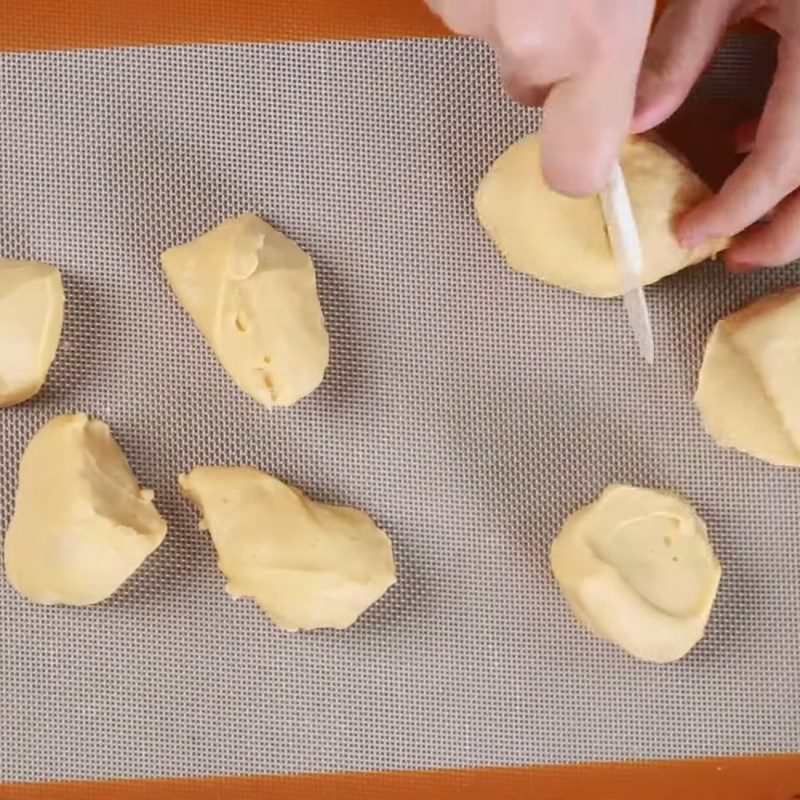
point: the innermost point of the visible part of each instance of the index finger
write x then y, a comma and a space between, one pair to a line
587, 116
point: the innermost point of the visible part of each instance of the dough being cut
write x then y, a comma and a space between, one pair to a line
307, 564
748, 391
31, 315
82, 526
563, 240
253, 294
636, 567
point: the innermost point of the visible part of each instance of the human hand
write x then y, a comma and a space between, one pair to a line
766, 183
580, 59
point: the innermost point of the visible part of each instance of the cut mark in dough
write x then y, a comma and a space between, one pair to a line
251, 290
563, 240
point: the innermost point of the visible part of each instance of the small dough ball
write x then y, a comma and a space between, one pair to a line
636, 567
81, 526
563, 240
31, 316
307, 564
253, 294
748, 391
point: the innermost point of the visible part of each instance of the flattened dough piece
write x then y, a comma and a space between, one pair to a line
31, 316
563, 241
748, 391
636, 568
253, 294
307, 564
81, 526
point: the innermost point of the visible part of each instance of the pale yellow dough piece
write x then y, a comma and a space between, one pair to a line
253, 294
636, 567
748, 391
307, 564
563, 241
31, 316
81, 526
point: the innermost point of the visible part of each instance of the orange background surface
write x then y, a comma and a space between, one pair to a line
64, 24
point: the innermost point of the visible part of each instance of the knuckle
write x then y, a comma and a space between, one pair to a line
522, 42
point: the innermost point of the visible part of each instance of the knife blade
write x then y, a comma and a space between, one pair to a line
623, 236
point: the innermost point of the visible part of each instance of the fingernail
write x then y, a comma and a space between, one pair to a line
742, 142
744, 136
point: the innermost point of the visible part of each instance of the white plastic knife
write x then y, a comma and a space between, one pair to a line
627, 249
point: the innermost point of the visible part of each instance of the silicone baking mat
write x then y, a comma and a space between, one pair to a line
467, 408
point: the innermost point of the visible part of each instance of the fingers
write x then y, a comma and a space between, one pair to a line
542, 43
753, 189
590, 59
769, 173
680, 48
770, 244
587, 117
536, 44
585, 123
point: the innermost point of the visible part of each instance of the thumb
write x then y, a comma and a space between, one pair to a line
587, 116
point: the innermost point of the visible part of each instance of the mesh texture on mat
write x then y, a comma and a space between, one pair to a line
467, 408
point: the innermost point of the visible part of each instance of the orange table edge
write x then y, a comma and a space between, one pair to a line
764, 778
